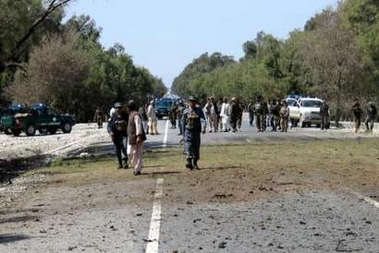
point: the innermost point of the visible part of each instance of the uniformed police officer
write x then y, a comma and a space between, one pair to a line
117, 129
194, 124
99, 117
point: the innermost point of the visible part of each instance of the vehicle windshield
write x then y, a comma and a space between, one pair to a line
162, 104
291, 101
311, 103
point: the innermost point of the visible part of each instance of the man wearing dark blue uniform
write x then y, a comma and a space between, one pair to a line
194, 124
117, 129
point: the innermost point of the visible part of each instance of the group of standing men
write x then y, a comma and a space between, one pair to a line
223, 115
126, 130
275, 113
126, 125
371, 113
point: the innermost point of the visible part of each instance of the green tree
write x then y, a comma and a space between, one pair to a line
332, 56
203, 64
23, 23
250, 49
295, 74
86, 27
363, 17
46, 80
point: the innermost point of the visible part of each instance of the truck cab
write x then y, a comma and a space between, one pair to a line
309, 111
38, 117
293, 106
162, 107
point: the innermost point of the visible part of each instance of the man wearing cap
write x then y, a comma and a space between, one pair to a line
194, 124
117, 130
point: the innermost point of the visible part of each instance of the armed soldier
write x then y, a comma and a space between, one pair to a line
370, 117
324, 113
284, 116
173, 114
259, 114
275, 114
357, 111
99, 117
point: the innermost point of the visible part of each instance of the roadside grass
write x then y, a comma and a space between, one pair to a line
248, 167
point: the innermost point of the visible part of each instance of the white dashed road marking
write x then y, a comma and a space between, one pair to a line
165, 135
155, 223
365, 198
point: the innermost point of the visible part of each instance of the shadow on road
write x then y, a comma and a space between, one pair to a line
8, 238
18, 219
10, 169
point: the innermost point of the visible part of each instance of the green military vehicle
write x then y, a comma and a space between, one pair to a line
37, 117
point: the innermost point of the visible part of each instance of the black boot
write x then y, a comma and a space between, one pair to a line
195, 166
189, 164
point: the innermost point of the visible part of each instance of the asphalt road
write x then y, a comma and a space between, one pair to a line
319, 221
169, 137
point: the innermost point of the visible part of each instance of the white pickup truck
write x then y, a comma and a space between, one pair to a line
306, 111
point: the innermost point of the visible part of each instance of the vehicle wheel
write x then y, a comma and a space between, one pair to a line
318, 125
43, 130
66, 127
52, 130
302, 124
293, 122
7, 131
309, 124
16, 132
30, 130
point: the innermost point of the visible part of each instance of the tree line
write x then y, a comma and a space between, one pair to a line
335, 57
64, 65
